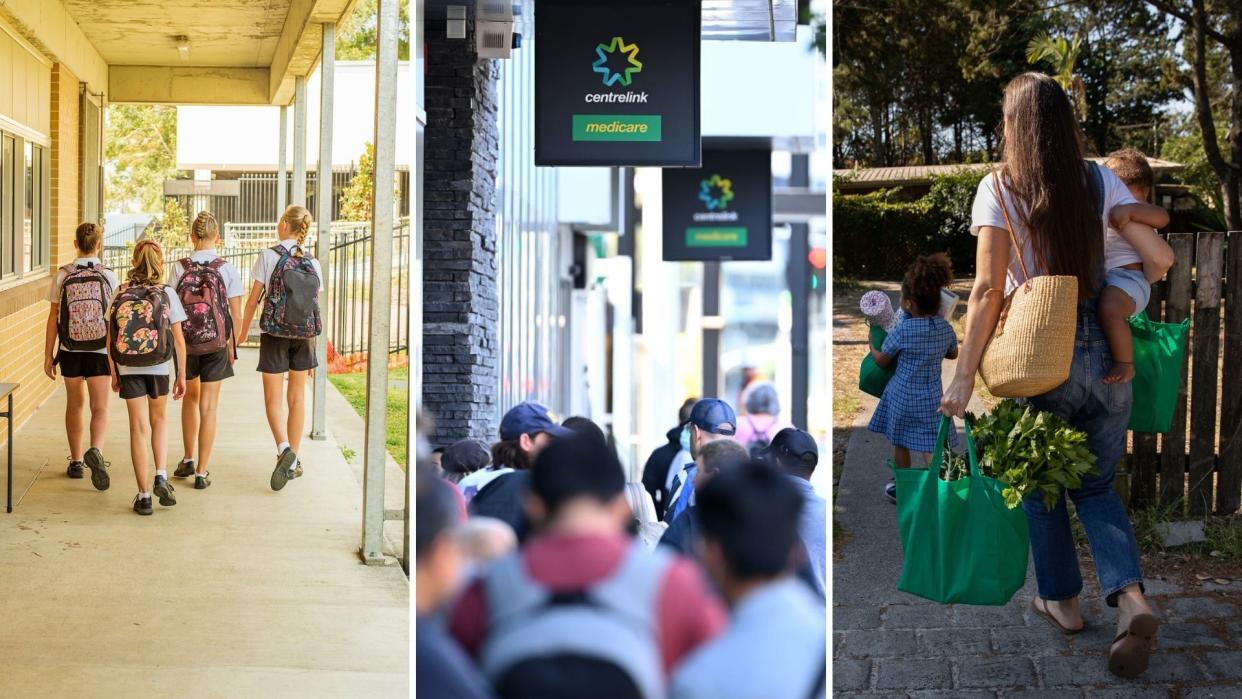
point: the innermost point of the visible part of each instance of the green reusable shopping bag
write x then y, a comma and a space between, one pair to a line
871, 378
1159, 352
961, 543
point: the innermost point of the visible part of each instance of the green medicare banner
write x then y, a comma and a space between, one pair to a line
723, 210
617, 82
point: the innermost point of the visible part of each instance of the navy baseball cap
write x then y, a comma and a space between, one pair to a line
715, 416
794, 445
530, 418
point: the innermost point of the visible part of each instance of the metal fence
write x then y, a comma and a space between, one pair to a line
1198, 463
347, 280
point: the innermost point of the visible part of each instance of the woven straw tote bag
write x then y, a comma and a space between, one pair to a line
1033, 346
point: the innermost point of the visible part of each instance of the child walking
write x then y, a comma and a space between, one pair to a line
288, 282
922, 339
77, 341
145, 345
210, 290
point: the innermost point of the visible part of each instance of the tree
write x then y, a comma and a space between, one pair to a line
357, 197
1062, 55
140, 148
356, 37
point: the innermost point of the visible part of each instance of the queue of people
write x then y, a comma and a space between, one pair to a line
561, 580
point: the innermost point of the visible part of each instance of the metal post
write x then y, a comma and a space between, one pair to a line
299, 141
415, 288
323, 241
282, 174
799, 277
381, 282
711, 331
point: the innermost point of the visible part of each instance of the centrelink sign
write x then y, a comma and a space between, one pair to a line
723, 210
617, 83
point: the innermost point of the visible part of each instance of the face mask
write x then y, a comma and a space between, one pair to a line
685, 438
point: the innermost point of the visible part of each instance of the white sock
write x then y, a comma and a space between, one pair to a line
161, 473
187, 460
144, 496
280, 448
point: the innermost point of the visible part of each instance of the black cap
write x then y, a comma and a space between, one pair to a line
465, 456
794, 447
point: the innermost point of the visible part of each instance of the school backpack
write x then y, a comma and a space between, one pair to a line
758, 444
139, 332
291, 308
207, 325
600, 642
82, 325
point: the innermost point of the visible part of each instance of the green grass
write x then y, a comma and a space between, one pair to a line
354, 388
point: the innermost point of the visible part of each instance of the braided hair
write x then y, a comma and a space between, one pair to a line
297, 220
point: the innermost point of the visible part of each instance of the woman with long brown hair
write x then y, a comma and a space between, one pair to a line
1049, 199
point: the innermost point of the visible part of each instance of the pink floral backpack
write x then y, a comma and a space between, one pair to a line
139, 332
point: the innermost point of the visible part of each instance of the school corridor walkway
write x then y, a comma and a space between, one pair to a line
891, 644
237, 591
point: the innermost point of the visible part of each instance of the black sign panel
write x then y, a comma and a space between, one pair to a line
721, 211
617, 82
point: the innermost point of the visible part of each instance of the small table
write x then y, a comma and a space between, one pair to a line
6, 392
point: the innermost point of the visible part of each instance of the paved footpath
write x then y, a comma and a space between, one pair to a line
890, 644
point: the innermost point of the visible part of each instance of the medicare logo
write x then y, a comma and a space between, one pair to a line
716, 202
625, 76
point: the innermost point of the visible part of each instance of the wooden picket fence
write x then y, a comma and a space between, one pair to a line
1198, 464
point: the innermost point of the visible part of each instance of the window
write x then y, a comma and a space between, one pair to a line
24, 206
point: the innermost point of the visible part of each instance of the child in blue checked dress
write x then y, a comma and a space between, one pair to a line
908, 412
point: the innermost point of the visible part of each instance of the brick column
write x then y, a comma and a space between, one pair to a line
460, 304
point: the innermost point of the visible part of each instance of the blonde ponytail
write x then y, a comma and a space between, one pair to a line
204, 227
297, 220
148, 264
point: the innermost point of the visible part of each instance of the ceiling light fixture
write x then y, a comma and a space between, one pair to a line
183, 47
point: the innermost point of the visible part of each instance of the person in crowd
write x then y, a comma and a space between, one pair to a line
1047, 206
544, 622
761, 421
777, 638
484, 540
437, 456
714, 457
584, 426
462, 459
658, 472
77, 341
288, 282
908, 413
644, 525
210, 289
796, 453
443, 670
147, 349
525, 431
711, 419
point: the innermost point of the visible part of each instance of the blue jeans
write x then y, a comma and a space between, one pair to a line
1102, 411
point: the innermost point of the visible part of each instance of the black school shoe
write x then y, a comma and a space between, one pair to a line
75, 469
284, 469
185, 469
99, 469
142, 505
164, 491
201, 482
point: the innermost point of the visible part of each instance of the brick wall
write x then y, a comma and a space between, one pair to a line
23, 308
460, 304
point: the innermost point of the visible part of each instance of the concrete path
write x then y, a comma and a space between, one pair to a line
890, 644
237, 591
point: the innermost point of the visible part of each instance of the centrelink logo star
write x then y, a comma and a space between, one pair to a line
627, 74
716, 202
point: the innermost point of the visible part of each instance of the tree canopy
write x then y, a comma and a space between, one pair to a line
140, 149
356, 36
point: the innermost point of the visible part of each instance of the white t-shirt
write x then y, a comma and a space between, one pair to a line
265, 264
986, 212
233, 286
53, 295
176, 314
474, 482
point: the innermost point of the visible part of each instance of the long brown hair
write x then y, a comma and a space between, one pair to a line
1043, 167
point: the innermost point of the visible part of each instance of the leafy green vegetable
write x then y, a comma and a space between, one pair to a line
1030, 452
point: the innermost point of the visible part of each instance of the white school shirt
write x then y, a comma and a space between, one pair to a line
265, 264
176, 314
233, 286
987, 212
53, 295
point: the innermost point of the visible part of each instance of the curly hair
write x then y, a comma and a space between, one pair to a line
924, 280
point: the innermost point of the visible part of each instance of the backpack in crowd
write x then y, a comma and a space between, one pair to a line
139, 332
600, 642
82, 325
291, 307
759, 441
201, 288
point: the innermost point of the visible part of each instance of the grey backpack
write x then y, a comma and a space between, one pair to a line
601, 642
